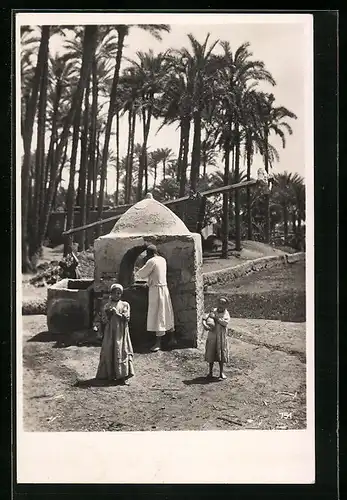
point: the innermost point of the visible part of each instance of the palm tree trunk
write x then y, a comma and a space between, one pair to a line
155, 174
142, 165
237, 191
226, 198
50, 155
70, 197
83, 167
267, 195
93, 139
145, 159
92, 150
117, 159
285, 222
131, 154
180, 152
249, 164
27, 140
183, 176
59, 176
132, 145
89, 195
89, 45
196, 152
121, 35
204, 160
225, 221
294, 226
96, 169
233, 159
127, 165
36, 243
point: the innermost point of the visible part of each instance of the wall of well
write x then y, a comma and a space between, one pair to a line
183, 254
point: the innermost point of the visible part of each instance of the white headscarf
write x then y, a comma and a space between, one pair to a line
116, 286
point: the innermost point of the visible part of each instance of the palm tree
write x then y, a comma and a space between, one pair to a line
90, 34
283, 194
272, 120
29, 45
27, 135
153, 163
175, 105
239, 74
89, 47
289, 194
128, 101
122, 31
164, 155
208, 155
83, 172
39, 188
298, 188
202, 74
148, 73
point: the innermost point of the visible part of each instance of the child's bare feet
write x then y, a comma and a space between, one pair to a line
222, 376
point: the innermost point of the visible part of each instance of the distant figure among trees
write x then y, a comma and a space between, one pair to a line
69, 267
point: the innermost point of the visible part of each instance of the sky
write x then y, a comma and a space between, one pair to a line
282, 46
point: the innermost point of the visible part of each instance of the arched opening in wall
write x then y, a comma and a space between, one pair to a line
136, 293
131, 262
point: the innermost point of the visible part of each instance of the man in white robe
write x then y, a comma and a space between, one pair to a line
160, 317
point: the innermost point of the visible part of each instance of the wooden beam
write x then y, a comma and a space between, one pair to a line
92, 224
230, 187
209, 192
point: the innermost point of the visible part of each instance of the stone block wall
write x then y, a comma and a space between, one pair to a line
69, 306
185, 281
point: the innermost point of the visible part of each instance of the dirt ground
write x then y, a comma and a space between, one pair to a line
265, 386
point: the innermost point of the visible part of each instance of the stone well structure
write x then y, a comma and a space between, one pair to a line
150, 222
70, 305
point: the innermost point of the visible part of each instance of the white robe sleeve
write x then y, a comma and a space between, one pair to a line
126, 310
145, 270
224, 320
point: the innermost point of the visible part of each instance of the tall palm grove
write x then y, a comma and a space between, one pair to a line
72, 104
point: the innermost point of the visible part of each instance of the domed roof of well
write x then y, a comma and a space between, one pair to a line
148, 217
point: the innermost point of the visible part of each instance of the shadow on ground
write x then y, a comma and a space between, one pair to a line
93, 382
86, 338
67, 340
201, 381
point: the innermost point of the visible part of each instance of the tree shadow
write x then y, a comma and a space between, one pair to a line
94, 382
201, 381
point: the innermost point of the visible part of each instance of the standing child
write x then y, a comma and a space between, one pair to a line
116, 356
217, 343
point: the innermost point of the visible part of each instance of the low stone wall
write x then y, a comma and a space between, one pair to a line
34, 306
286, 305
222, 276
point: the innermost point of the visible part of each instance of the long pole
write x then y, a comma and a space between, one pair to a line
206, 193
